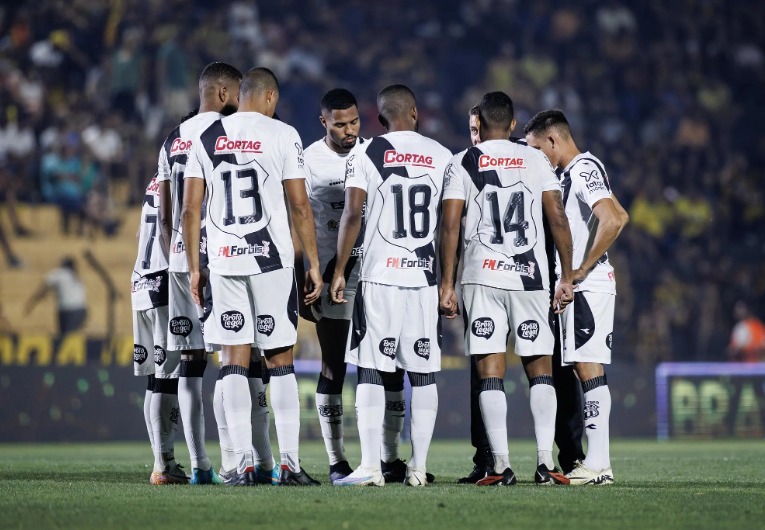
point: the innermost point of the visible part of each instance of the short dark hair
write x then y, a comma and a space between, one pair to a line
496, 111
218, 73
258, 81
474, 110
394, 101
547, 119
338, 99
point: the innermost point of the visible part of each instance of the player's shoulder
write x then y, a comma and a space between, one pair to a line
586, 163
437, 147
458, 157
316, 148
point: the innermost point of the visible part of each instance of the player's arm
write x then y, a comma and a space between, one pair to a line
350, 226
305, 230
191, 220
609, 226
451, 220
623, 215
165, 214
552, 204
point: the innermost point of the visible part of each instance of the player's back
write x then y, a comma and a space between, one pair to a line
150, 270
502, 183
244, 159
402, 173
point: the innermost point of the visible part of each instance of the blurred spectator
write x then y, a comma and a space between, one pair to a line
70, 296
127, 74
747, 341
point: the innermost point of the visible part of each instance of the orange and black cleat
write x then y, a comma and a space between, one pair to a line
506, 478
546, 477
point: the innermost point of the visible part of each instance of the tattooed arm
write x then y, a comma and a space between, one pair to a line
552, 203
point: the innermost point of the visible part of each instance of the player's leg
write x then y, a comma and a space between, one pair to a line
569, 424
333, 337
393, 467
143, 364
265, 465
483, 462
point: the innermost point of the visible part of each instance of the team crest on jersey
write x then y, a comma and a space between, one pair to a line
422, 348
181, 326
265, 324
499, 265
139, 354
224, 146
528, 330
493, 163
483, 327
230, 251
393, 158
180, 147
232, 321
160, 356
388, 347
333, 226
609, 340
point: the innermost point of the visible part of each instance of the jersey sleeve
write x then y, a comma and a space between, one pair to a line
588, 183
456, 180
163, 166
195, 161
355, 171
294, 160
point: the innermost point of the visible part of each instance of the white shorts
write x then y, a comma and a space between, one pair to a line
326, 308
261, 309
150, 354
395, 327
492, 314
184, 329
588, 325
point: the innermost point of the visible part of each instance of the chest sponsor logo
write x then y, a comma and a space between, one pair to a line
180, 147
160, 356
592, 181
388, 347
492, 163
226, 146
265, 324
406, 263
232, 321
609, 340
422, 348
181, 326
231, 251
528, 269
333, 226
139, 354
528, 330
393, 158
482, 327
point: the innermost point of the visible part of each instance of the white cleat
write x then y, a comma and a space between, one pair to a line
582, 475
362, 477
416, 476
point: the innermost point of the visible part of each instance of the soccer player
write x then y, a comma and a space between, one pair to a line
596, 219
151, 358
325, 164
248, 162
218, 95
506, 187
395, 314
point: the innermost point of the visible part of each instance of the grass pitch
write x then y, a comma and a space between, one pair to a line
695, 485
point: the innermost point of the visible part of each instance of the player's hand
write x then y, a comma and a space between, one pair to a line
578, 276
337, 288
564, 295
198, 284
304, 310
448, 302
313, 285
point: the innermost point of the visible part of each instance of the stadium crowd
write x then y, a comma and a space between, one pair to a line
89, 88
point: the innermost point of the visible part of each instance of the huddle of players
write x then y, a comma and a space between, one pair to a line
240, 206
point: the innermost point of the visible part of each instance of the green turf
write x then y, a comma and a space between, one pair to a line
672, 485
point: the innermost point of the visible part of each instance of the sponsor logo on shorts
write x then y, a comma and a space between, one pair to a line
609, 340
159, 355
528, 330
232, 321
181, 326
422, 348
230, 251
521, 268
266, 324
388, 347
330, 411
591, 409
406, 263
139, 354
483, 327
175, 414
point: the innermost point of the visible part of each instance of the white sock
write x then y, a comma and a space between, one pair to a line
192, 411
330, 409
164, 421
285, 400
424, 410
393, 424
147, 411
228, 460
597, 409
494, 413
370, 410
237, 407
544, 406
261, 440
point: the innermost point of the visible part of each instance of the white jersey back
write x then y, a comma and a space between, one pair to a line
402, 173
244, 158
149, 278
502, 183
171, 167
325, 173
584, 183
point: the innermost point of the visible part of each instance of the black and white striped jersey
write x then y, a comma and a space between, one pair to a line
402, 173
148, 283
502, 183
584, 183
171, 167
244, 159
